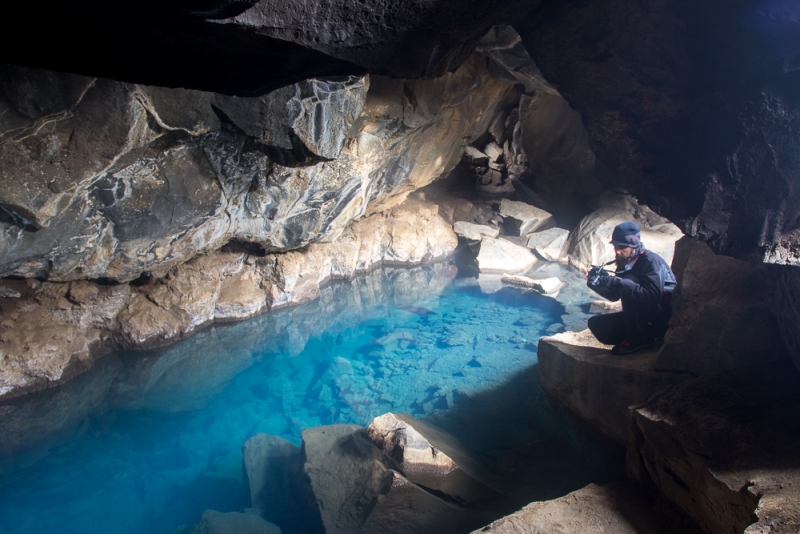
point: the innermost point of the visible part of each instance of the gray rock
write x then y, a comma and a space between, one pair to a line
531, 219
504, 46
474, 232
583, 375
549, 244
214, 522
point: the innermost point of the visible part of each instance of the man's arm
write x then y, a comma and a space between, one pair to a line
646, 293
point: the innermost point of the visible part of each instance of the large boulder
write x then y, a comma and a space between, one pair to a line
549, 244
724, 448
530, 218
474, 232
502, 256
430, 457
724, 313
598, 386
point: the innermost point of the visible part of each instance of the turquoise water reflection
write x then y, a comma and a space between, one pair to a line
146, 442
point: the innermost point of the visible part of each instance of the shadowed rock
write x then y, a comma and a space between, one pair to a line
430, 457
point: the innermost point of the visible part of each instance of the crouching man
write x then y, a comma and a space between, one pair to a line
644, 282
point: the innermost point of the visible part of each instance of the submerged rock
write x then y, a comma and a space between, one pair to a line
214, 522
545, 286
430, 457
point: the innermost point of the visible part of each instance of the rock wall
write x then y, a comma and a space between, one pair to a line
50, 331
103, 179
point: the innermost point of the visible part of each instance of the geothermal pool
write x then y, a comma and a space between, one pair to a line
146, 441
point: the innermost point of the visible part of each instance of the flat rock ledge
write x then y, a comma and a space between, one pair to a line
726, 449
612, 509
52, 331
583, 375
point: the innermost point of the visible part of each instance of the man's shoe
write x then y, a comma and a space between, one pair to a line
626, 347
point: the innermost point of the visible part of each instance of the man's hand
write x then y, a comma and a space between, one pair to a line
599, 278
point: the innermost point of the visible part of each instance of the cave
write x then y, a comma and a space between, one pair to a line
303, 201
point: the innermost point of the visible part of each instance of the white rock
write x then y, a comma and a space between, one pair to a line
473, 231
501, 256
493, 150
545, 286
490, 283
605, 306
548, 244
475, 156
531, 218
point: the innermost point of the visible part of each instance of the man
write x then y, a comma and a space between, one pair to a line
644, 282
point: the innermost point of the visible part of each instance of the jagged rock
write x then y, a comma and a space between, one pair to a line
165, 182
599, 387
474, 232
356, 493
549, 244
504, 45
214, 522
724, 448
501, 256
724, 314
589, 243
531, 219
545, 286
612, 509
430, 457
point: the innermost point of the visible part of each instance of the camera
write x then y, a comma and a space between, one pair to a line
595, 273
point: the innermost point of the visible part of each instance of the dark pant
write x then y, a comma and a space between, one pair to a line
637, 325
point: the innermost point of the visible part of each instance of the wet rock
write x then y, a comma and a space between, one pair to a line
724, 448
214, 522
474, 232
724, 313
531, 219
614, 509
279, 489
549, 244
501, 256
545, 286
605, 306
599, 387
430, 457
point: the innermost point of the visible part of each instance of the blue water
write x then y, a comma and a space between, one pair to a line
145, 442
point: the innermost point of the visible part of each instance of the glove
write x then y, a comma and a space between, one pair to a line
604, 280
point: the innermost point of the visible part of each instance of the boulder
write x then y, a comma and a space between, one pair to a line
724, 313
475, 156
549, 244
430, 457
589, 381
356, 493
501, 256
613, 509
589, 243
474, 232
531, 219
493, 151
545, 286
454, 209
214, 522
724, 448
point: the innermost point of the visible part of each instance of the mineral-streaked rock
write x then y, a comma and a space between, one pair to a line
214, 522
531, 218
163, 181
724, 447
545, 286
584, 376
501, 256
474, 232
430, 457
548, 244
612, 509
54, 330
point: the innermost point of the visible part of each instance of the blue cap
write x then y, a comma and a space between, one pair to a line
627, 234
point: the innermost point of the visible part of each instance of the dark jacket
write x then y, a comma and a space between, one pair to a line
645, 281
